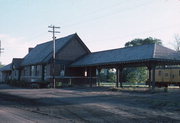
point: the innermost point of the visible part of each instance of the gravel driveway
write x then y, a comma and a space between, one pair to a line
97, 105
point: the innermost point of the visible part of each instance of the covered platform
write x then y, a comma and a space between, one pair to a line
149, 56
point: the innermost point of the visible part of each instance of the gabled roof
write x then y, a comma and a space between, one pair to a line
42, 53
128, 55
6, 68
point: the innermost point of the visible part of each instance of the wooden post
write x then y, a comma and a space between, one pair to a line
117, 77
99, 70
107, 75
70, 82
121, 76
153, 77
149, 69
42, 73
90, 76
19, 75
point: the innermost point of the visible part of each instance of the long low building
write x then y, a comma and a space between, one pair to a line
75, 63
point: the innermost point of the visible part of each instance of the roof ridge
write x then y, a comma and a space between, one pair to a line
56, 39
154, 51
123, 48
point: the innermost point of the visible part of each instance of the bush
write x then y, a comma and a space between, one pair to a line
58, 84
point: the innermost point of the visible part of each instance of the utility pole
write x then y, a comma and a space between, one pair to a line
54, 50
1, 49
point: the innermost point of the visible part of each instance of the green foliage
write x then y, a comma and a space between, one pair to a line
139, 74
136, 75
138, 41
1, 65
59, 84
110, 77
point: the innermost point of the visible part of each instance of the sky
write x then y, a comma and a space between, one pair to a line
101, 24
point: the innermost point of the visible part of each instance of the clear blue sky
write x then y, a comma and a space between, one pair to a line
101, 24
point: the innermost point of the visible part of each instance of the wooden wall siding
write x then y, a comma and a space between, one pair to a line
27, 71
48, 69
39, 70
6, 76
76, 71
80, 71
57, 70
15, 74
91, 71
35, 75
72, 51
1, 79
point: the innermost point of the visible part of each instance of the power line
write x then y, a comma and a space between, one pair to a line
99, 17
110, 14
54, 50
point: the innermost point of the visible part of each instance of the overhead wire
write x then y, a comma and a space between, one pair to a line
105, 16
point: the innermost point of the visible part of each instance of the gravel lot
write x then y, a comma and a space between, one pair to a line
97, 105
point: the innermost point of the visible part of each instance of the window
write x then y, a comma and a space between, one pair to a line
62, 70
159, 73
179, 72
166, 74
33, 70
45, 70
38, 70
25, 71
14, 73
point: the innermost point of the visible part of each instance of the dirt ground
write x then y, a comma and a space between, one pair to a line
97, 105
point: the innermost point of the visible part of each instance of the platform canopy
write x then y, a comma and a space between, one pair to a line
149, 56
143, 55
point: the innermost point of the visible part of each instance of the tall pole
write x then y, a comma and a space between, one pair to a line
54, 50
1, 49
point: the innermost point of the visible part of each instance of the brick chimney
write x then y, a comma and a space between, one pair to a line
29, 50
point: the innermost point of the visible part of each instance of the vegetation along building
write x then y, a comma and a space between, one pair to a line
76, 64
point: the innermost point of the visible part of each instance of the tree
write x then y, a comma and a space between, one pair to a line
139, 74
177, 42
136, 75
1, 65
138, 41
